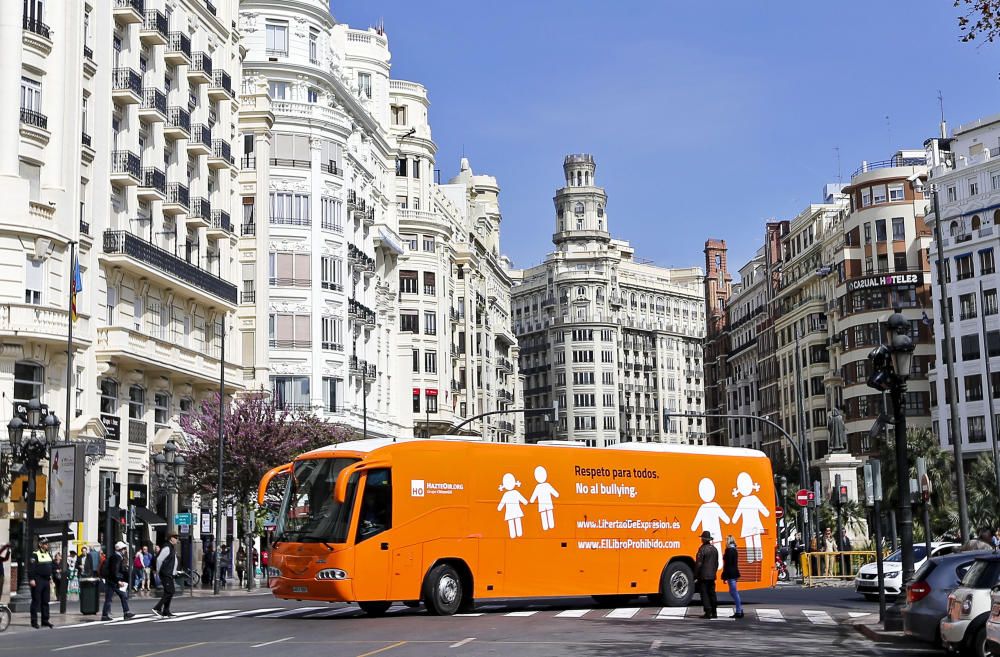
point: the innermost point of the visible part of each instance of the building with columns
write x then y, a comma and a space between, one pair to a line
614, 342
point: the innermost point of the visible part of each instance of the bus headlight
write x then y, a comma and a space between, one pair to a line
331, 573
273, 572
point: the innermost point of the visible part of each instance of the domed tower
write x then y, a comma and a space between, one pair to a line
580, 206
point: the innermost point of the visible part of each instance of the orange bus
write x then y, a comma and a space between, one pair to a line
449, 522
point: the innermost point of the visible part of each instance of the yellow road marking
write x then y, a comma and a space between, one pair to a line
367, 654
160, 652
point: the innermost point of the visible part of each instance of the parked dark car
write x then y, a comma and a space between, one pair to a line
927, 594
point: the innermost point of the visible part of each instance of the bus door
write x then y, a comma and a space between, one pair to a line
372, 552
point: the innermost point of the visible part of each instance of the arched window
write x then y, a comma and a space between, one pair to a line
28, 381
581, 291
976, 221
578, 209
954, 229
579, 178
634, 301
996, 217
600, 210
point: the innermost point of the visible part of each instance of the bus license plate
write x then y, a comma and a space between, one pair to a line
300, 589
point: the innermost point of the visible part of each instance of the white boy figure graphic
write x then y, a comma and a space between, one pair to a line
710, 515
749, 509
511, 503
544, 492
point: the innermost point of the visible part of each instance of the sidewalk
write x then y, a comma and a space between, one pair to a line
871, 628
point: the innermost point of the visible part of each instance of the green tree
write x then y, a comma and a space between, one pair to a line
981, 493
980, 19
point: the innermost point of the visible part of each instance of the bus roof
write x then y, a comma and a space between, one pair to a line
372, 444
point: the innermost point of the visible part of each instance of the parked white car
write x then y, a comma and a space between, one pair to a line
993, 624
969, 606
866, 581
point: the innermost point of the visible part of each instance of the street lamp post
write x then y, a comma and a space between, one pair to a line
169, 468
30, 443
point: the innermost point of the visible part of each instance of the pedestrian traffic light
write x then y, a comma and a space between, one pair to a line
881, 369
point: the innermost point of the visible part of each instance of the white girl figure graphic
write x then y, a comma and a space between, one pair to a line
512, 500
544, 492
710, 515
750, 508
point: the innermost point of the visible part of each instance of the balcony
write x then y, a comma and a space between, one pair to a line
289, 344
36, 37
35, 26
454, 315
126, 86
332, 168
36, 125
154, 105
221, 87
356, 365
178, 50
149, 260
178, 199
248, 161
371, 372
84, 228
128, 12
249, 292
200, 69
200, 215
360, 313
154, 30
222, 155
200, 142
285, 162
154, 184
369, 218
40, 324
126, 168
221, 223
168, 354
178, 125
248, 229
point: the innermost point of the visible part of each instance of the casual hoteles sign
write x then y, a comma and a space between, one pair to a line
885, 280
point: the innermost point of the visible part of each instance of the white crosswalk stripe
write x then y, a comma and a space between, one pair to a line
770, 615
625, 612
817, 617
256, 612
291, 612
207, 614
521, 614
342, 611
573, 613
668, 613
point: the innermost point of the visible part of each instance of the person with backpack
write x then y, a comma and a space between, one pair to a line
166, 567
114, 571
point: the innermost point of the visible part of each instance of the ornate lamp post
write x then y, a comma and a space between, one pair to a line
169, 468
30, 443
901, 350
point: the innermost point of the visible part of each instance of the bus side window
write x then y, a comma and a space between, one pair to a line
376, 505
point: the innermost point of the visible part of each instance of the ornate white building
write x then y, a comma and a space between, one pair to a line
613, 342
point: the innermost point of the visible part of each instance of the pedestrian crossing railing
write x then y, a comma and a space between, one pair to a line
825, 567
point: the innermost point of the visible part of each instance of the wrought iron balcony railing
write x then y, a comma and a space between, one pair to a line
33, 118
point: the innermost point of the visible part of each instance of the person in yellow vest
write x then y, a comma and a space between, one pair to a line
40, 581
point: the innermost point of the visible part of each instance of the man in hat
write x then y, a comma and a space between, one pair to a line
706, 569
116, 580
40, 581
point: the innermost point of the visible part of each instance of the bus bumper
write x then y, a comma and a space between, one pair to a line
311, 589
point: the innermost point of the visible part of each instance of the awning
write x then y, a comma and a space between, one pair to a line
148, 517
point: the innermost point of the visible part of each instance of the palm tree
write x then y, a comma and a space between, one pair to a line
981, 492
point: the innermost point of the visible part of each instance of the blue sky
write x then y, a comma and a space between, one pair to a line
704, 123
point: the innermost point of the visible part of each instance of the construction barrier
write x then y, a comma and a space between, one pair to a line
817, 567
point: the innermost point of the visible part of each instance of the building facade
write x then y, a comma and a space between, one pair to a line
718, 289
965, 172
745, 310
612, 343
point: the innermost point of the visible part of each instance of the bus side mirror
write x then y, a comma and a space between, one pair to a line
262, 487
340, 488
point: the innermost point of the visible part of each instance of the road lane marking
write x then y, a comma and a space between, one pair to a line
573, 613
624, 612
375, 652
817, 617
195, 616
81, 645
655, 645
224, 617
473, 615
770, 615
292, 612
160, 652
521, 614
252, 612
668, 613
459, 644
270, 643
859, 614
342, 611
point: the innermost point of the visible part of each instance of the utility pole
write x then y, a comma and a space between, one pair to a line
803, 443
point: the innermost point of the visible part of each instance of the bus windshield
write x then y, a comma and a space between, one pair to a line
309, 513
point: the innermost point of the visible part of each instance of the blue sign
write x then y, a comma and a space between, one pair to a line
183, 519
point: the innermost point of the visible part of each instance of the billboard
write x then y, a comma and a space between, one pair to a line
66, 479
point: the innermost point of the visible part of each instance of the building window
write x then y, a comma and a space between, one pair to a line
277, 39
161, 411
34, 281
880, 230
136, 402
967, 303
313, 45
432, 401
289, 269
409, 322
312, 95
409, 242
430, 288
970, 347
974, 388
987, 265
899, 261
111, 304
430, 323
109, 397
973, 187
332, 393
963, 266
430, 362
330, 273
878, 194
428, 243
952, 194
186, 408
896, 192
290, 209
977, 429
365, 84
398, 115
290, 392
990, 302
278, 90
28, 380
407, 282
331, 329
866, 197
416, 400
868, 233
898, 229
31, 95
415, 355
416, 171
401, 166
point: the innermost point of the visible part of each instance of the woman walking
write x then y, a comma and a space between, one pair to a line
731, 573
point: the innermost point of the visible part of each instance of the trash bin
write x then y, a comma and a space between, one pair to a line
89, 595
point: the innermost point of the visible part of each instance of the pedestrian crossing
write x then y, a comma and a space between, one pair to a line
621, 614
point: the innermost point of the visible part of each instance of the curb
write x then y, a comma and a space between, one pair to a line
873, 634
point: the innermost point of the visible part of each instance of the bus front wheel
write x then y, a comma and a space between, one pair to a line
375, 608
443, 590
677, 584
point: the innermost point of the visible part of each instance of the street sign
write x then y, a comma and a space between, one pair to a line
803, 496
779, 513
182, 519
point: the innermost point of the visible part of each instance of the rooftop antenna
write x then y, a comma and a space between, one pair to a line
840, 177
888, 131
380, 26
944, 125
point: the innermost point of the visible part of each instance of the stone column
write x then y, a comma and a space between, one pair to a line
845, 465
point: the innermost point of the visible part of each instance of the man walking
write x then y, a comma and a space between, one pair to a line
166, 568
705, 570
40, 581
116, 580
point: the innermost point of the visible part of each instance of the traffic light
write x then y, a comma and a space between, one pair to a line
881, 377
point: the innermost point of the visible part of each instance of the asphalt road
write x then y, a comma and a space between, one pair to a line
787, 621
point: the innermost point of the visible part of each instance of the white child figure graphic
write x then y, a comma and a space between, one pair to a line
710, 515
750, 508
544, 492
511, 503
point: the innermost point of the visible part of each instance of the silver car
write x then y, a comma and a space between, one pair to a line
927, 594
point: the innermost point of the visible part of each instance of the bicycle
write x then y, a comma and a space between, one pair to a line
4, 617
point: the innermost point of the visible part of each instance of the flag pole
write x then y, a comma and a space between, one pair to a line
64, 583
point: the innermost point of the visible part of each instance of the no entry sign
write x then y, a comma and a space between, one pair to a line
802, 497
779, 513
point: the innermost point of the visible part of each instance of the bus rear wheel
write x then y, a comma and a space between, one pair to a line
677, 585
375, 608
443, 590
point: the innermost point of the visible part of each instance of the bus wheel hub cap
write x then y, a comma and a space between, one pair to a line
679, 585
448, 590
